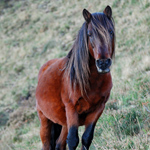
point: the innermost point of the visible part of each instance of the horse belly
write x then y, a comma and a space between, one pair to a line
53, 111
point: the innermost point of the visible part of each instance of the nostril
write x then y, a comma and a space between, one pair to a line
108, 62
99, 62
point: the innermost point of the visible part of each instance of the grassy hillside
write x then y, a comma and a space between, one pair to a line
32, 32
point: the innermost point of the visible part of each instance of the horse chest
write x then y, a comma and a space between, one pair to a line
100, 88
95, 96
98, 94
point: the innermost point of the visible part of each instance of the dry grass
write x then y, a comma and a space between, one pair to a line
35, 31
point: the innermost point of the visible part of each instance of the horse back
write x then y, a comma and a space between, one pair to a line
45, 66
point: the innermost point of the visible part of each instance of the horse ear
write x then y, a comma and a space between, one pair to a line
108, 12
87, 15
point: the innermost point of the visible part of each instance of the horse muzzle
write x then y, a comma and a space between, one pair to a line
103, 65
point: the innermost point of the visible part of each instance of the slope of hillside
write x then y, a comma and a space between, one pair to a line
35, 31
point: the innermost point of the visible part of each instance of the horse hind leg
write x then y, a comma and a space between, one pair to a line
49, 132
61, 142
55, 133
45, 130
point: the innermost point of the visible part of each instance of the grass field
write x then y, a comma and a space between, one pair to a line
32, 32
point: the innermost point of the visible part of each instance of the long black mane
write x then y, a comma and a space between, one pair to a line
79, 56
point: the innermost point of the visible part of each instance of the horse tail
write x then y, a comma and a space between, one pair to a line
55, 132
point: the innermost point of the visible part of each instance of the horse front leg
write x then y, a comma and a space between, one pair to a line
72, 123
90, 123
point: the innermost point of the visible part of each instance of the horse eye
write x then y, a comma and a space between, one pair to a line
111, 32
89, 33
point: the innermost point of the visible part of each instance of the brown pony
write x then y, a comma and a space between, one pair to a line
72, 91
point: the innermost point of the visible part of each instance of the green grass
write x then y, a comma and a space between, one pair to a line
32, 32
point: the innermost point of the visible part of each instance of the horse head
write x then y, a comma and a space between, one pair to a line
101, 38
